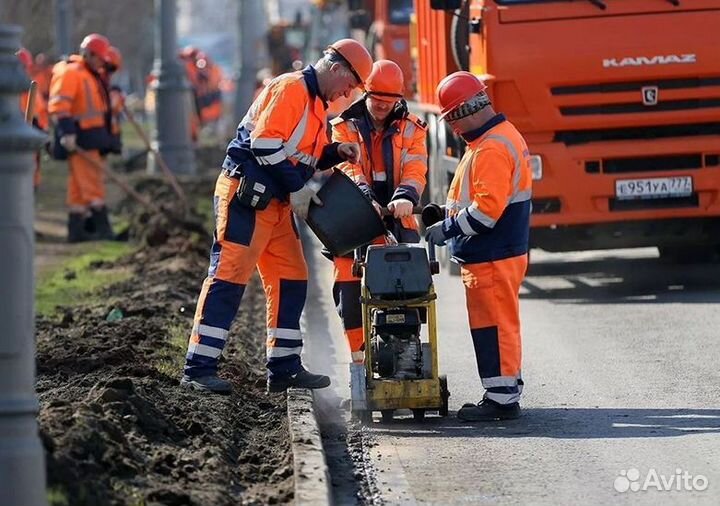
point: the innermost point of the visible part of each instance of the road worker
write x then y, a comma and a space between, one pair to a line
280, 142
39, 114
391, 172
486, 226
209, 94
79, 109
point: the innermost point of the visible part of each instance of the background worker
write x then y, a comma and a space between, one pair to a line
79, 108
39, 114
280, 142
391, 172
487, 226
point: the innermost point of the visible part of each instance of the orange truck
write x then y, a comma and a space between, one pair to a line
619, 101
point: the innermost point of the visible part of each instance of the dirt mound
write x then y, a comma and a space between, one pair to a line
117, 428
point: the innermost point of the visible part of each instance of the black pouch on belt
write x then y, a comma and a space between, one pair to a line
253, 193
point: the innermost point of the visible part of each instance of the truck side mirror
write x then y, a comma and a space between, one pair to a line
445, 5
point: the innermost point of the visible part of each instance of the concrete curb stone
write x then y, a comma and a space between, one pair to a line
312, 479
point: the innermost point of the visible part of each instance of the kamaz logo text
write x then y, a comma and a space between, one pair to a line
649, 60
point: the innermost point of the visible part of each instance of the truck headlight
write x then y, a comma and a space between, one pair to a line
536, 167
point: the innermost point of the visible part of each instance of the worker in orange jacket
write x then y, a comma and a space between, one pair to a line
209, 95
391, 172
280, 143
79, 108
487, 225
40, 114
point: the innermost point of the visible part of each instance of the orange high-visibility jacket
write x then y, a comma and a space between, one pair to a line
403, 170
79, 104
283, 137
489, 201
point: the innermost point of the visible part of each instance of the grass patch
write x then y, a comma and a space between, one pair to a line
77, 281
204, 207
56, 496
171, 359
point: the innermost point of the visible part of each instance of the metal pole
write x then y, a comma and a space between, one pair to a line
63, 27
22, 466
249, 17
172, 102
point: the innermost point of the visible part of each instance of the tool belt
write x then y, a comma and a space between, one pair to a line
250, 192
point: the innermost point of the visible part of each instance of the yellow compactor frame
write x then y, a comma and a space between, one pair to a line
385, 395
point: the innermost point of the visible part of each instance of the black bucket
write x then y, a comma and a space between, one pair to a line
347, 219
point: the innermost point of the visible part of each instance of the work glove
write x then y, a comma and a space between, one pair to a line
349, 151
300, 201
435, 234
400, 208
69, 142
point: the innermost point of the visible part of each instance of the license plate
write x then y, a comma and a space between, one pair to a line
654, 188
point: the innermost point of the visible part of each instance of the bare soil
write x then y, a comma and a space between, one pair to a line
116, 426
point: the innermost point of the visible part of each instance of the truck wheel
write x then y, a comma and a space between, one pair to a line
418, 414
387, 415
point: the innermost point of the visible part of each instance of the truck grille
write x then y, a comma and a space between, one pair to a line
633, 107
664, 84
646, 164
571, 137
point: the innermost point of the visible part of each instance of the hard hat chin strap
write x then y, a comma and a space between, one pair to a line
470, 107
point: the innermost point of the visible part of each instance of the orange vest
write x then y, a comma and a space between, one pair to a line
408, 158
77, 93
489, 201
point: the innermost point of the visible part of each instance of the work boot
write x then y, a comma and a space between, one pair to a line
100, 219
76, 228
487, 411
212, 384
303, 379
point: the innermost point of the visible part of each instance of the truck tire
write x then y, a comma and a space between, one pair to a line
460, 37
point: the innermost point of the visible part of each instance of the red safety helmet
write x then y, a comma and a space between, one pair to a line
96, 44
456, 89
385, 81
357, 57
113, 59
25, 58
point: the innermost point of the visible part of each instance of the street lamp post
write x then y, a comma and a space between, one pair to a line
248, 19
63, 27
22, 467
172, 96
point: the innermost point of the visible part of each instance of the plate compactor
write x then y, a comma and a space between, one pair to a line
401, 367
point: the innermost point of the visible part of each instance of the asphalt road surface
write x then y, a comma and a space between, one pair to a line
622, 391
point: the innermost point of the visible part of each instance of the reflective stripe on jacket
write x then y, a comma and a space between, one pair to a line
283, 136
403, 170
79, 104
489, 201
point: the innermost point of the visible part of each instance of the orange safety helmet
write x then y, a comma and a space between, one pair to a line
25, 58
385, 81
96, 44
113, 59
357, 57
456, 89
